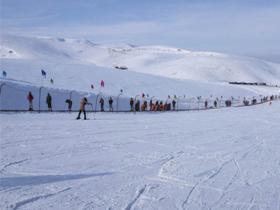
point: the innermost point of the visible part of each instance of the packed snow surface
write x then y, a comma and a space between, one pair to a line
215, 159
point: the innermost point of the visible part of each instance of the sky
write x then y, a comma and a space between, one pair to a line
244, 27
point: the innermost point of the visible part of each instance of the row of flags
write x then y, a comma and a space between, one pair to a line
44, 75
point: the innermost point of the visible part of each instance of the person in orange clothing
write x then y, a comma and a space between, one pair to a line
83, 104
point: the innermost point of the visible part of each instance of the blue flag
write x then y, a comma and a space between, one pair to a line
4, 73
44, 74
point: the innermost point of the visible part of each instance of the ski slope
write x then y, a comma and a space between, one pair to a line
155, 70
216, 159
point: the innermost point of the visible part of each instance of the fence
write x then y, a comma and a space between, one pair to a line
13, 97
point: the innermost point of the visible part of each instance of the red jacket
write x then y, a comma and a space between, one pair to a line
30, 97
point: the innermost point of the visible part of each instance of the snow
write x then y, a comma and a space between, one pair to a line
215, 159
155, 70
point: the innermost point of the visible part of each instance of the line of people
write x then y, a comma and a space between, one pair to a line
137, 106
153, 105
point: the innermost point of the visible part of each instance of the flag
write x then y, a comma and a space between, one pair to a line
44, 74
4, 73
102, 83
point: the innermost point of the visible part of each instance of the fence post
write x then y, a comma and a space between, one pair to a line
118, 102
198, 103
178, 100
3, 84
40, 89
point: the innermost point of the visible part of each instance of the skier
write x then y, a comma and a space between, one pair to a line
151, 105
111, 104
30, 99
161, 106
131, 102
173, 104
83, 103
206, 104
156, 106
49, 101
69, 102
101, 101
137, 106
215, 103
144, 106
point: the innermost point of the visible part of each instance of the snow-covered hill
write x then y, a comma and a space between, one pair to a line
157, 70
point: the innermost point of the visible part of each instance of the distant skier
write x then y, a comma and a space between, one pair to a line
161, 106
215, 103
144, 106
206, 104
49, 101
131, 102
137, 106
111, 104
101, 101
30, 100
173, 104
83, 103
69, 102
151, 105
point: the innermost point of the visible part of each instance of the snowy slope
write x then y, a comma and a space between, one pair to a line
216, 159
157, 60
156, 70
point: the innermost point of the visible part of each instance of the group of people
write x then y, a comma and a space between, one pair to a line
102, 103
135, 105
30, 99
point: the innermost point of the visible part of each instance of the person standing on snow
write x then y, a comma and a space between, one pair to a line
206, 104
173, 104
69, 102
151, 105
215, 103
102, 104
137, 106
111, 104
30, 100
49, 101
83, 103
131, 102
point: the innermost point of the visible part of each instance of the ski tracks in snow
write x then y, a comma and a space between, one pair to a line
139, 194
36, 198
11, 164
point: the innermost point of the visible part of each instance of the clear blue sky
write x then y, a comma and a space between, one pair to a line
250, 27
